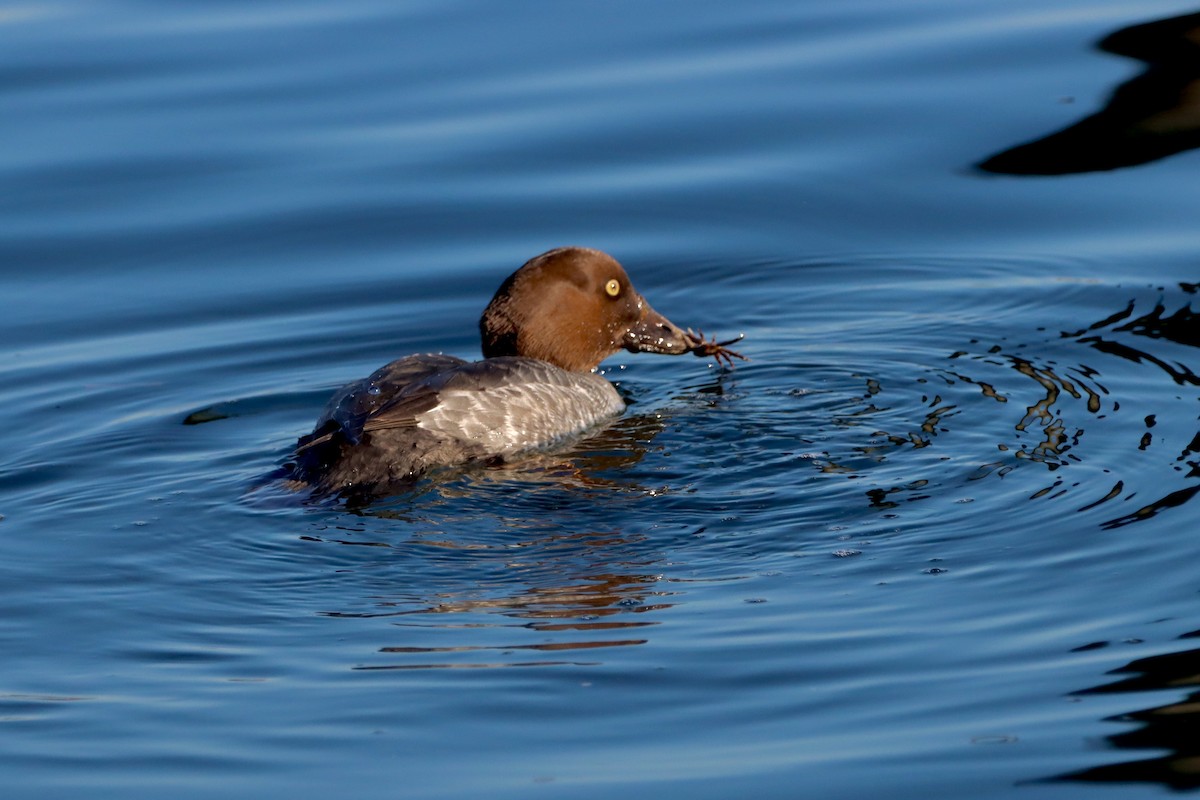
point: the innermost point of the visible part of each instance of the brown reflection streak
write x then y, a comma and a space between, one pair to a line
1041, 409
1114, 492
551, 646
491, 665
556, 602
1052, 446
929, 426
592, 603
588, 626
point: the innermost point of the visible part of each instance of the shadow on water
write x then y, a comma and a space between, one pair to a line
1155, 115
1172, 729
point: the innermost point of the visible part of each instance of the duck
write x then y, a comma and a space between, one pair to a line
543, 336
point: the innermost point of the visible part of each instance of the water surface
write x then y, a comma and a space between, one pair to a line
937, 536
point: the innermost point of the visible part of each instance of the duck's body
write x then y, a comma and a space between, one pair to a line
545, 331
424, 411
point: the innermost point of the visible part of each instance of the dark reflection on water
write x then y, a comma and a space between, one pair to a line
1017, 401
1173, 729
1155, 115
1050, 408
1180, 327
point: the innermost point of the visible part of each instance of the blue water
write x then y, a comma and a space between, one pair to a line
936, 537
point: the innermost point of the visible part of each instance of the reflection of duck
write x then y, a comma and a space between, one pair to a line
545, 331
561, 599
1155, 115
1172, 730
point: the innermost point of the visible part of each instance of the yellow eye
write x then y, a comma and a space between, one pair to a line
613, 287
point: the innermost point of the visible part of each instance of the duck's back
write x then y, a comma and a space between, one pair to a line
430, 410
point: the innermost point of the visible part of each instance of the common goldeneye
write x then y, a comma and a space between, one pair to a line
544, 333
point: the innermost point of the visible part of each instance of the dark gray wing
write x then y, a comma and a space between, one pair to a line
355, 404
